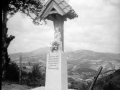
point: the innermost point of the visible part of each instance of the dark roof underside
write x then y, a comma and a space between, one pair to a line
67, 9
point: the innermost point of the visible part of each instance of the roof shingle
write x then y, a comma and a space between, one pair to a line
67, 9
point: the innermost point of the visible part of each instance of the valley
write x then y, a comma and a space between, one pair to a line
82, 64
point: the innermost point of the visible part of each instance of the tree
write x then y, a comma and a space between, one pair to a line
9, 8
109, 82
12, 72
36, 77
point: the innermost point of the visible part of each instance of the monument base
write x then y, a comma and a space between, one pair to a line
43, 88
56, 72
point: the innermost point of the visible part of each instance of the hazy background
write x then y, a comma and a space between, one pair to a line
97, 28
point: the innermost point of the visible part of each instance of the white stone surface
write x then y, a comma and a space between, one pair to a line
56, 72
43, 88
38, 88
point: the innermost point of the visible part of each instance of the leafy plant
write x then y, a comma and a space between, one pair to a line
109, 82
12, 72
78, 85
36, 77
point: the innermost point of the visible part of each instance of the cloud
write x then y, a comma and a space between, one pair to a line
27, 35
97, 28
31, 41
112, 2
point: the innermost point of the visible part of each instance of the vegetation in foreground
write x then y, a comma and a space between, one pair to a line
9, 8
36, 78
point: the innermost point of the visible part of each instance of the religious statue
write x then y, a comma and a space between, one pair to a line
57, 36
57, 40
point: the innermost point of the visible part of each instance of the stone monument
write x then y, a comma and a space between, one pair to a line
56, 69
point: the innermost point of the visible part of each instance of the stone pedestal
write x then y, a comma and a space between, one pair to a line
56, 72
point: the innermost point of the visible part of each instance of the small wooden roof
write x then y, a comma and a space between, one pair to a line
57, 7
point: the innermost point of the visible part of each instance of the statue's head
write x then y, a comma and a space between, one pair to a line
57, 29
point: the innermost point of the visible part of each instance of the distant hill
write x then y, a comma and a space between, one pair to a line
32, 56
31, 53
79, 62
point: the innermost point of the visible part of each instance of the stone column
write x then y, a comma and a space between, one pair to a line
56, 68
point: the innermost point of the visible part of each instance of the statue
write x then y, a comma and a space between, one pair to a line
57, 36
57, 41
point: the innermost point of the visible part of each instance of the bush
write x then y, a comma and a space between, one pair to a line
12, 72
36, 77
72, 83
110, 82
77, 84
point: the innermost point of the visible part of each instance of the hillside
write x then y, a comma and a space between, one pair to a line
81, 63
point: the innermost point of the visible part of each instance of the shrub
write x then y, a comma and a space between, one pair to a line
36, 77
72, 83
12, 72
110, 82
78, 85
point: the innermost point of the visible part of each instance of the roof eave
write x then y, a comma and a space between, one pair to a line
69, 14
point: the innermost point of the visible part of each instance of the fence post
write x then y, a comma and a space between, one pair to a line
20, 69
95, 78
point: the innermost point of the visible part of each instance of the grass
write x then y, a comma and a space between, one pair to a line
14, 86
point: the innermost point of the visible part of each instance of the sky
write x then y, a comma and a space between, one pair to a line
97, 28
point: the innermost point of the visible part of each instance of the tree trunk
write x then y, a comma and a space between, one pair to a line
5, 42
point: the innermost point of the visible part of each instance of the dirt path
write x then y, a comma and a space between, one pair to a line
15, 87
21, 87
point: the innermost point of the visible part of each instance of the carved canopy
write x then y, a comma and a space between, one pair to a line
54, 7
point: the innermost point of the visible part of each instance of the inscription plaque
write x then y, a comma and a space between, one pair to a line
53, 61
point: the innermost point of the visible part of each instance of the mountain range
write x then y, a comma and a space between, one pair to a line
81, 63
